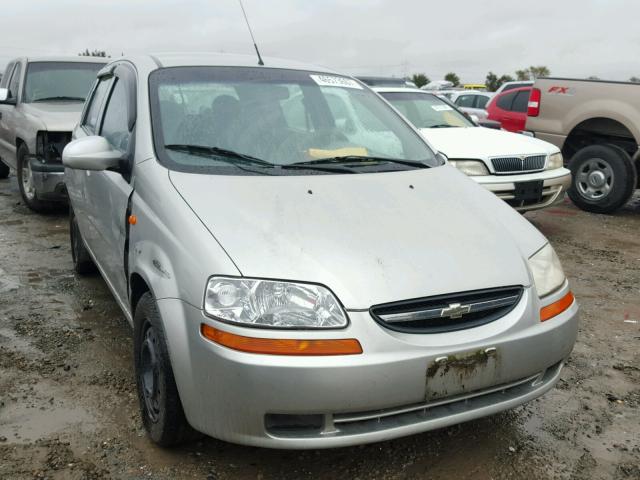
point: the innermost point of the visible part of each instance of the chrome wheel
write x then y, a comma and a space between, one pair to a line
149, 373
27, 180
594, 180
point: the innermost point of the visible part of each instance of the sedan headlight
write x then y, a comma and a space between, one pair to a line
546, 270
273, 304
555, 161
473, 168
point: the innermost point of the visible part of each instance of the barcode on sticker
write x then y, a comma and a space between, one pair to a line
333, 81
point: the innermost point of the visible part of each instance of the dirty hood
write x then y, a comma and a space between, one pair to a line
483, 143
371, 238
55, 116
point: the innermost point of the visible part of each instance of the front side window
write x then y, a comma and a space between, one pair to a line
91, 117
481, 101
115, 125
7, 75
278, 118
14, 83
427, 111
59, 81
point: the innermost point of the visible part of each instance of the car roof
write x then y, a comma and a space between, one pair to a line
400, 90
66, 58
165, 60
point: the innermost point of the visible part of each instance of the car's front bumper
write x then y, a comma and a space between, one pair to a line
555, 184
48, 180
384, 393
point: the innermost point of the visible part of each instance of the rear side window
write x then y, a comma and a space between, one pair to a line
465, 101
91, 118
14, 83
7, 75
505, 101
115, 126
521, 101
481, 101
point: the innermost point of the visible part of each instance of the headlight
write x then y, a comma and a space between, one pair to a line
272, 304
472, 168
555, 161
546, 270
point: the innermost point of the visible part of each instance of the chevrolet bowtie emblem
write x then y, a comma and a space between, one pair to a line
455, 310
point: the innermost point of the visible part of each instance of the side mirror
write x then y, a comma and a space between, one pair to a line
90, 153
474, 119
4, 97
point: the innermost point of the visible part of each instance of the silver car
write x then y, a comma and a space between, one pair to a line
296, 280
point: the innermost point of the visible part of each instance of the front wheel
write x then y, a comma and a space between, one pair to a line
160, 405
603, 178
26, 184
82, 262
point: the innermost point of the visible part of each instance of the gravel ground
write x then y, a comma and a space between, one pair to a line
68, 408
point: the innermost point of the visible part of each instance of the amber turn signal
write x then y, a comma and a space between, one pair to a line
281, 346
133, 219
556, 308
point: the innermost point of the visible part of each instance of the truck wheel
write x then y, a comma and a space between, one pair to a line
25, 183
82, 262
603, 178
160, 405
4, 170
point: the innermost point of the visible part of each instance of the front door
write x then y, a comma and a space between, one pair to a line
7, 118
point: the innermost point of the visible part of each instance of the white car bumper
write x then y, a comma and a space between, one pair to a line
507, 187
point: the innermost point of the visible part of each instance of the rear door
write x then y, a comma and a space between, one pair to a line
518, 115
500, 108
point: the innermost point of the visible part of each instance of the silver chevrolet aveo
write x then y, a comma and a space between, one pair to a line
298, 275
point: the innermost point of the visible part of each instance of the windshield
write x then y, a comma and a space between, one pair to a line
59, 81
275, 117
427, 111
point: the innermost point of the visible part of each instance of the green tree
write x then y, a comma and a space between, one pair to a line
420, 79
493, 82
94, 53
453, 78
634, 79
539, 71
523, 74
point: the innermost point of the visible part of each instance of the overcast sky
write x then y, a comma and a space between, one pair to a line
383, 37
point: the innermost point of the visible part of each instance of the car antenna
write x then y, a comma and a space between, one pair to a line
255, 45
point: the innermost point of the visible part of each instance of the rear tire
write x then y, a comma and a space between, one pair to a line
4, 170
603, 178
82, 262
25, 183
160, 405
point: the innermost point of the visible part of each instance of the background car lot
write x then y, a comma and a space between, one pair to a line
68, 406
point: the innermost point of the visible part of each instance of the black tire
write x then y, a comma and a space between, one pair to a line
4, 170
29, 195
82, 262
603, 178
160, 405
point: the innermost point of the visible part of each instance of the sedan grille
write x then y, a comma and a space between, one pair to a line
447, 313
531, 163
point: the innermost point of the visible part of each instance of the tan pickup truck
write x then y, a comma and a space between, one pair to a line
596, 125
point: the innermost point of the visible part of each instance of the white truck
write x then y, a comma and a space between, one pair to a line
40, 103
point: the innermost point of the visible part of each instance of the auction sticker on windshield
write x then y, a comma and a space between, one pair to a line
333, 81
441, 108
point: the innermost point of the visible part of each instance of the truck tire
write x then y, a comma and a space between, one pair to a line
4, 170
82, 262
25, 183
160, 404
603, 178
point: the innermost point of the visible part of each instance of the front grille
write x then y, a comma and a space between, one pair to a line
531, 163
447, 313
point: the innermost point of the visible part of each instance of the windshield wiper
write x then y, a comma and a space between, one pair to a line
355, 159
218, 152
238, 157
59, 98
442, 125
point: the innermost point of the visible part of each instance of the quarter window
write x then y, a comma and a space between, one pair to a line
521, 101
505, 101
91, 118
481, 101
115, 126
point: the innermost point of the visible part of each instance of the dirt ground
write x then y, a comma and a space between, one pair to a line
68, 408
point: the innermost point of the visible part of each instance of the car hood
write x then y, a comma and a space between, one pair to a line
55, 116
371, 238
483, 143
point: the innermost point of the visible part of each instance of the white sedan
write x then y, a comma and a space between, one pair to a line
526, 172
